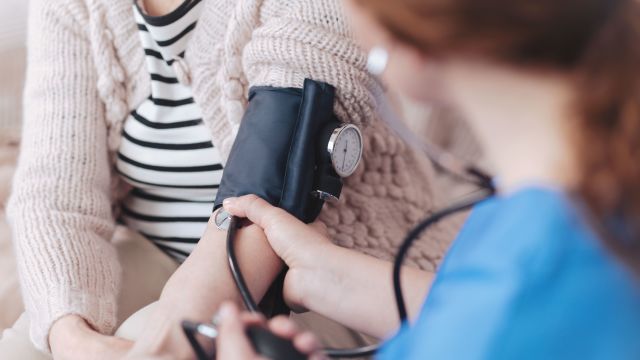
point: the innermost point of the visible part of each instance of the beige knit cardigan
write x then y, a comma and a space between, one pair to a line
86, 71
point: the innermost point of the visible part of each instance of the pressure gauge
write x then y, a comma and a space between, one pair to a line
345, 149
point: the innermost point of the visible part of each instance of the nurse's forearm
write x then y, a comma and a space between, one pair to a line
203, 281
356, 290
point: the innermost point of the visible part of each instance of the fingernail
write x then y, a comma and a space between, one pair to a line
216, 320
226, 311
228, 201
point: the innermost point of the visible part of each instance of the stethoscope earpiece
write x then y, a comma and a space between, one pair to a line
377, 60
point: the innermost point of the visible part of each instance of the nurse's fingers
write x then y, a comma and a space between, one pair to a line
289, 237
304, 341
232, 342
283, 327
308, 343
320, 228
252, 318
262, 213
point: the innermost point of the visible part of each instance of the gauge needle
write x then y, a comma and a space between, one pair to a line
345, 154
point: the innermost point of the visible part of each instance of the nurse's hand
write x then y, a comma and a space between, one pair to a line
321, 273
300, 246
232, 343
294, 241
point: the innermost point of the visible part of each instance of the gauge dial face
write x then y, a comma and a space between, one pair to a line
345, 147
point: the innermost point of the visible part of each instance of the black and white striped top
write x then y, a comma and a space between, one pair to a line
166, 151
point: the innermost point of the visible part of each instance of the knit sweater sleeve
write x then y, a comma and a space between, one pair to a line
60, 210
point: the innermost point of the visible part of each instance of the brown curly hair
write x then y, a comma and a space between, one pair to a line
595, 41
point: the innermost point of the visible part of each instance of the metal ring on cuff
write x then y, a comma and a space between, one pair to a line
222, 219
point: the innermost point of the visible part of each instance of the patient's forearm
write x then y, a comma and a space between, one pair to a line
203, 281
205, 274
356, 290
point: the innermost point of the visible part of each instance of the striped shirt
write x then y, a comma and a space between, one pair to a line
166, 152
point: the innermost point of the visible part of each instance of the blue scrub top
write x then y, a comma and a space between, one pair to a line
526, 279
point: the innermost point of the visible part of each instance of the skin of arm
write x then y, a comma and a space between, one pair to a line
342, 284
202, 283
349, 287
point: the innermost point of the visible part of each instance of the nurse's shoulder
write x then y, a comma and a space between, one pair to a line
576, 298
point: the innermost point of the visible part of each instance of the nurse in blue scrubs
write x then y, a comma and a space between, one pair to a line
549, 267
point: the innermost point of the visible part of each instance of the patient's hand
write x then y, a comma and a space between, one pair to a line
72, 338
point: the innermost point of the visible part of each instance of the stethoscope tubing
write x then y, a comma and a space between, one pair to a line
414, 234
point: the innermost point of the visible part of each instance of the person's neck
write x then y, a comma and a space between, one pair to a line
523, 122
159, 7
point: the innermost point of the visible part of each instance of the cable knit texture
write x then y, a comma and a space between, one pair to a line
86, 72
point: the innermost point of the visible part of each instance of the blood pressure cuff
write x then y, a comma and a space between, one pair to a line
279, 151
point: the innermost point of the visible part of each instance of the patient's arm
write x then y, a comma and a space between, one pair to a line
202, 282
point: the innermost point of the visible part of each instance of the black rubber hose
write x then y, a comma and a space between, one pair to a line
484, 181
411, 238
234, 266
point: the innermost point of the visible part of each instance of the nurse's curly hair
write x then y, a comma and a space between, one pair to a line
595, 41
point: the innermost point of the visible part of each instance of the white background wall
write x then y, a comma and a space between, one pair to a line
13, 16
